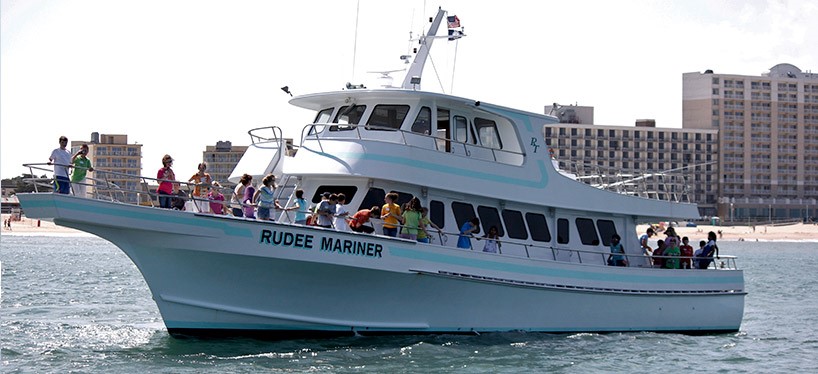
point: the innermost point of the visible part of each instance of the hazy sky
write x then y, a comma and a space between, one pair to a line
179, 75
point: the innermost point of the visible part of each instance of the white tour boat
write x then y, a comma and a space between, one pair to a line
223, 275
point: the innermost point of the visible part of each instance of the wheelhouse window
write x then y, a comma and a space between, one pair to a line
387, 117
587, 231
423, 122
347, 116
487, 131
324, 116
461, 130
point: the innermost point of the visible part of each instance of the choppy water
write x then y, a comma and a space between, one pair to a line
77, 304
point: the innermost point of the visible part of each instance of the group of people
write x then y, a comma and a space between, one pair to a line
673, 252
409, 222
78, 163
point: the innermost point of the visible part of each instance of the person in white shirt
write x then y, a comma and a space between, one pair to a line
61, 159
341, 214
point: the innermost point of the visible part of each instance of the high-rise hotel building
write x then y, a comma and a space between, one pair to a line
768, 139
112, 153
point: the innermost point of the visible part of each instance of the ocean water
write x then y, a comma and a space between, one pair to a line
77, 304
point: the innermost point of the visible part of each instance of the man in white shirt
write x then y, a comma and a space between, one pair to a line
61, 159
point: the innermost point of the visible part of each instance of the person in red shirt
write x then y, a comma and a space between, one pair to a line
687, 253
358, 220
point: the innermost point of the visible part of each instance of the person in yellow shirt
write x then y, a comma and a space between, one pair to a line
391, 215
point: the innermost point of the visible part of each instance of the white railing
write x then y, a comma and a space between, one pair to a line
324, 131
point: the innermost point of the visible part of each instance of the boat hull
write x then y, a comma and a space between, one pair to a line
223, 276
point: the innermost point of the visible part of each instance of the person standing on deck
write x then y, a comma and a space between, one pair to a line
61, 159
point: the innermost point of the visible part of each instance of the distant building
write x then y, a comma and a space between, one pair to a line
221, 159
112, 153
642, 150
768, 139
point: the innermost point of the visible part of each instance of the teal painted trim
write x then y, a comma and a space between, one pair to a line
561, 273
469, 173
135, 212
271, 327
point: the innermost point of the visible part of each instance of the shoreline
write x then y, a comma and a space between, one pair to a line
798, 232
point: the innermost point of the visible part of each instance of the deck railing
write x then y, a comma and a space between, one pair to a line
334, 131
106, 190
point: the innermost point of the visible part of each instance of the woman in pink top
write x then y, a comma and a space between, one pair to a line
166, 178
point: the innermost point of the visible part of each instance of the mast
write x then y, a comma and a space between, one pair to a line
416, 69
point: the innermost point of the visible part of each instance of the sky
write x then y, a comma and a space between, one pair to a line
178, 75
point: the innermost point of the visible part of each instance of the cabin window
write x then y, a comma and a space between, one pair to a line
487, 131
462, 213
443, 130
387, 117
515, 224
423, 122
324, 116
562, 231
461, 129
538, 227
348, 116
490, 217
375, 196
348, 191
607, 229
587, 231
437, 213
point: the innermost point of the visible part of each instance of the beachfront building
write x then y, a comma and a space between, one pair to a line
686, 158
221, 159
112, 153
768, 140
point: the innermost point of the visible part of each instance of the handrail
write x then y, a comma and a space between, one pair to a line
106, 185
404, 141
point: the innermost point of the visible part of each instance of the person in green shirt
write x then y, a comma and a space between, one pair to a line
411, 220
82, 165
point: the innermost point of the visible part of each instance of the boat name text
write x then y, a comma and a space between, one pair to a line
328, 244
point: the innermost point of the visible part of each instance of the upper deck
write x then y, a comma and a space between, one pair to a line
451, 143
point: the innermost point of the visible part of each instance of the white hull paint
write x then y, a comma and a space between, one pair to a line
220, 276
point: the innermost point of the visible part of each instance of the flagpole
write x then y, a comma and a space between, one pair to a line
355, 44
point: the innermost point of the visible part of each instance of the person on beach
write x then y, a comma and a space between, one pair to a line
61, 159
82, 165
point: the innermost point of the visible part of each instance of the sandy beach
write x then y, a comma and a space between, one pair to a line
795, 232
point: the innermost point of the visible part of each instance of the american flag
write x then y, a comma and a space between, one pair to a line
454, 22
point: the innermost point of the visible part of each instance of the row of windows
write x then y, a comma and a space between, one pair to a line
391, 117
514, 221
649, 135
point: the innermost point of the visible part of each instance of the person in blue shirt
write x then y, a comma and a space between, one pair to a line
469, 228
617, 256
